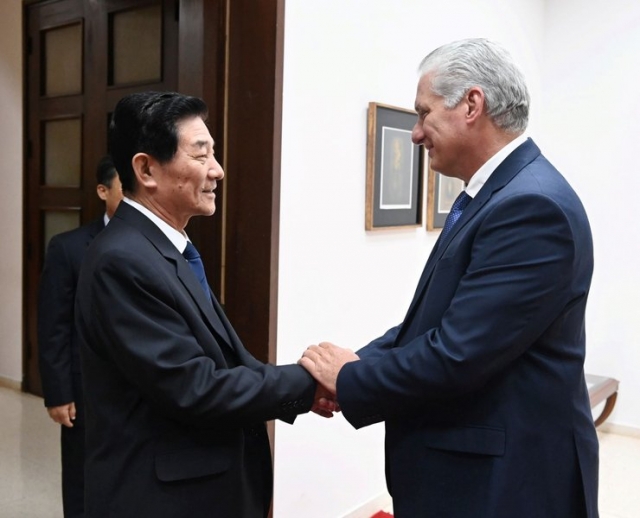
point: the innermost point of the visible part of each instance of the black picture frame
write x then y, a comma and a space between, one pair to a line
394, 184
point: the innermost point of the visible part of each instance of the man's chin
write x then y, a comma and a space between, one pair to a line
204, 211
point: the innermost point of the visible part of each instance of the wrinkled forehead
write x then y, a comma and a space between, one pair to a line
194, 133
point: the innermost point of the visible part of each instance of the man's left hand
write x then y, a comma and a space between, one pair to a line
324, 362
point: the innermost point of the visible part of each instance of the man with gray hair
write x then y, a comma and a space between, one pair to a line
481, 387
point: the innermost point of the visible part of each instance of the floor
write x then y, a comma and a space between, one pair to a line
30, 460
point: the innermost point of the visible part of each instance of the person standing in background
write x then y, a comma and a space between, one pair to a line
58, 348
482, 387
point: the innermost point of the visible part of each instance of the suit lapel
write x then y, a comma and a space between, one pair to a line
166, 248
504, 173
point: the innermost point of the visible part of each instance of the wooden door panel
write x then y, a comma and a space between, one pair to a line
40, 198
74, 200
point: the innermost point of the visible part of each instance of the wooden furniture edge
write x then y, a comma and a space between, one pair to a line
604, 389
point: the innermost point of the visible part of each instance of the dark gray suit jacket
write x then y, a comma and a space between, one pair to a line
175, 404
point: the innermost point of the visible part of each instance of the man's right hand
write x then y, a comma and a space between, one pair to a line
63, 414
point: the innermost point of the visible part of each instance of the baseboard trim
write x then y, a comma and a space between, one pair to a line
10, 384
370, 508
620, 429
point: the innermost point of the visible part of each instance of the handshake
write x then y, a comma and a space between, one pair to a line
324, 361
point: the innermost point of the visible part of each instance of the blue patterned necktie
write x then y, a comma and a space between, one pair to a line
195, 262
458, 206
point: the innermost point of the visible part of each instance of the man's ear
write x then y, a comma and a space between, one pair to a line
475, 103
102, 191
143, 167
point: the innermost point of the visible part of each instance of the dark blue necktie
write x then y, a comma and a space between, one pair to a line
195, 262
458, 206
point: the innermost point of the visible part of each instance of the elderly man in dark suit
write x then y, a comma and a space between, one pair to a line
175, 404
58, 348
481, 387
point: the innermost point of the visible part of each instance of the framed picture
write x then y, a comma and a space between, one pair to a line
394, 169
442, 191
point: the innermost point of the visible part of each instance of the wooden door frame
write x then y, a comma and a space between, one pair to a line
253, 160
253, 140
249, 98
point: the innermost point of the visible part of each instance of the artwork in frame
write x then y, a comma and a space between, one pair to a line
394, 188
441, 193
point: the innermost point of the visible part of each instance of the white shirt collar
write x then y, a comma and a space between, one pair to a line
482, 175
178, 239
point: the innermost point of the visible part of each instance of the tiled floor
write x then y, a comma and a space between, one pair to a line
29, 458
30, 464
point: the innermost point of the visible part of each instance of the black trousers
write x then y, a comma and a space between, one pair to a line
72, 449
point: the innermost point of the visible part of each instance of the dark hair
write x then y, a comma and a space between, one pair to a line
146, 122
106, 171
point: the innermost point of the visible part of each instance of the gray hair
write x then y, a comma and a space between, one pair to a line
461, 65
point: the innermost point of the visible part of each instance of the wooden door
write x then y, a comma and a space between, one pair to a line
82, 57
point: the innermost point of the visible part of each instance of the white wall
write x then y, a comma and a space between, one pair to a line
338, 282
592, 134
11, 190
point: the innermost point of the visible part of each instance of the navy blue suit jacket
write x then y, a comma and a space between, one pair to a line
482, 386
175, 404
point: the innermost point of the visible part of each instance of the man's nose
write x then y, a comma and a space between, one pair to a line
217, 170
417, 134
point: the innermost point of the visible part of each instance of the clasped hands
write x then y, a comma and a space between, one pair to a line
324, 361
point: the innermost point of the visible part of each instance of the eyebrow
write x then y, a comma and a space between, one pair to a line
203, 143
